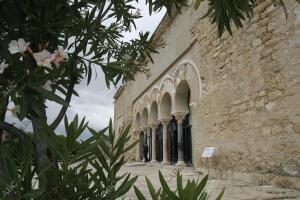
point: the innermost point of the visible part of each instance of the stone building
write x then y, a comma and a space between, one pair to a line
240, 94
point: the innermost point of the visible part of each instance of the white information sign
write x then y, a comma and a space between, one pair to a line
208, 152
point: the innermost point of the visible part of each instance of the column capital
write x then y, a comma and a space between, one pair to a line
144, 127
136, 131
165, 122
153, 124
179, 116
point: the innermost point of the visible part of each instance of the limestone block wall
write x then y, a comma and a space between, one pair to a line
250, 107
250, 103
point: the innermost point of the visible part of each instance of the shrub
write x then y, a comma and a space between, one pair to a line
193, 190
88, 169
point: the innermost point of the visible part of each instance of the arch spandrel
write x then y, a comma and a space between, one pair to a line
185, 71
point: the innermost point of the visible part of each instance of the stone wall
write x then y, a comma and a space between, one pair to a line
250, 109
250, 103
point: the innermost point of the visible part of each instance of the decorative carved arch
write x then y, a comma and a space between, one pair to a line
187, 71
155, 95
167, 85
145, 102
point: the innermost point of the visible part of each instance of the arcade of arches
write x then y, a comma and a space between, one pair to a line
163, 118
166, 135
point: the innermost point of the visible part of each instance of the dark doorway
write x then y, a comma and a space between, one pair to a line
187, 140
142, 145
150, 145
159, 143
173, 145
146, 147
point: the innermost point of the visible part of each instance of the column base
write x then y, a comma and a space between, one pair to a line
153, 161
165, 163
181, 164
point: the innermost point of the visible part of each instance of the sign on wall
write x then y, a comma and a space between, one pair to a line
208, 152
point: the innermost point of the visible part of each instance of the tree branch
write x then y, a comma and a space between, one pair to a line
12, 130
64, 109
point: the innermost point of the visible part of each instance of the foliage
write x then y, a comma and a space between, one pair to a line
193, 190
224, 12
47, 48
87, 170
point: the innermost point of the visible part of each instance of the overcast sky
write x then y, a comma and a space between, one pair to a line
96, 101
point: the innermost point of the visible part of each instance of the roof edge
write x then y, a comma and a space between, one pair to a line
119, 92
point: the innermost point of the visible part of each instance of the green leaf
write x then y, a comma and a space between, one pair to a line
221, 194
139, 194
125, 186
166, 188
50, 95
179, 184
151, 189
201, 185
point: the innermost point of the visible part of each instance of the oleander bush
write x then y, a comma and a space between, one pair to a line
193, 190
87, 169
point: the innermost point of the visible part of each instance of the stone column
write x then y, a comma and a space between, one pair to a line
153, 127
165, 142
145, 128
180, 117
138, 149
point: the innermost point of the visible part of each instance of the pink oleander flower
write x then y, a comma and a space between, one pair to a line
19, 46
3, 66
43, 58
47, 86
59, 56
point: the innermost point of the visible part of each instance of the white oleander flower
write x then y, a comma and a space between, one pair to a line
47, 85
19, 46
43, 58
59, 56
15, 110
3, 66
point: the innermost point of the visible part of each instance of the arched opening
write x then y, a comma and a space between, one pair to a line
137, 127
159, 143
144, 117
137, 121
182, 102
182, 97
187, 136
156, 139
153, 112
165, 107
173, 134
146, 144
